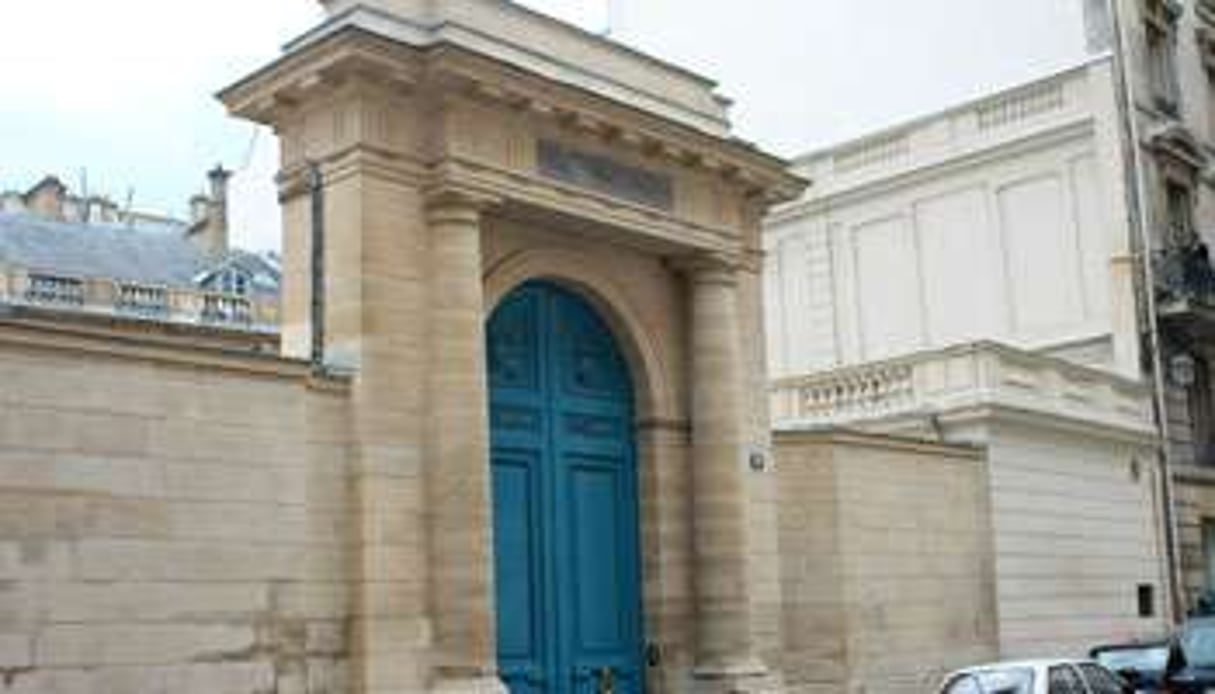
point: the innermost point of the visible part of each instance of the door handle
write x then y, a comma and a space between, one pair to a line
605, 680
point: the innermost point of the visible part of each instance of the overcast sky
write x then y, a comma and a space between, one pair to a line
123, 88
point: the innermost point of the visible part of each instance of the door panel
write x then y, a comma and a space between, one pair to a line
565, 497
519, 585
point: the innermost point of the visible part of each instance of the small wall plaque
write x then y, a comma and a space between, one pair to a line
605, 175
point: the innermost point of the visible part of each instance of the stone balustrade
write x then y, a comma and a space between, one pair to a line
133, 300
972, 376
1056, 102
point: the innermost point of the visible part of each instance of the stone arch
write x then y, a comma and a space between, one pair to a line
578, 272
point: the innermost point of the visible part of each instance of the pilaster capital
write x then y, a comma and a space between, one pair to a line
709, 268
453, 205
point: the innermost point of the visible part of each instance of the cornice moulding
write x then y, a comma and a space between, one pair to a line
451, 71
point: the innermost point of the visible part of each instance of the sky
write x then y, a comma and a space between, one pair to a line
118, 95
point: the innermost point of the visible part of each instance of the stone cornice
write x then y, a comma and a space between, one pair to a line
491, 183
514, 34
603, 209
356, 160
1174, 140
445, 70
178, 349
844, 436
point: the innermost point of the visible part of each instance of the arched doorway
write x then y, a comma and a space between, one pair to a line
567, 571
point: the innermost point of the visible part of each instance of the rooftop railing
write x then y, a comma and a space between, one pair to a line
1047, 104
134, 300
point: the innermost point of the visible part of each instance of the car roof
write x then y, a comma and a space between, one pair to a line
1034, 664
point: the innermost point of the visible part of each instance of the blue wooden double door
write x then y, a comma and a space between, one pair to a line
565, 498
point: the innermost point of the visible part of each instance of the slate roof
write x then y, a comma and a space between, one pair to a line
98, 250
115, 251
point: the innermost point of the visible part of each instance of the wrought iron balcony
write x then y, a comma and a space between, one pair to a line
1184, 273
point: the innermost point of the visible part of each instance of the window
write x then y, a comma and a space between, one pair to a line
231, 281
1179, 210
1146, 599
1160, 49
1063, 679
1202, 416
1100, 680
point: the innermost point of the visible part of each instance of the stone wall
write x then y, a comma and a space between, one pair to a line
1194, 492
1076, 521
887, 572
172, 519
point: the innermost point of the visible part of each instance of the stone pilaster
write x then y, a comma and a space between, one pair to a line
457, 472
725, 651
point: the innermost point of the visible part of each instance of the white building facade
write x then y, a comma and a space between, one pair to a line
968, 277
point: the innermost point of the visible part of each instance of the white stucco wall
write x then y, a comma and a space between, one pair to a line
997, 220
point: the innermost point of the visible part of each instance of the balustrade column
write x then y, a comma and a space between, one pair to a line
725, 655
459, 502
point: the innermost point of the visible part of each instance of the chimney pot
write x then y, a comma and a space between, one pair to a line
209, 215
219, 182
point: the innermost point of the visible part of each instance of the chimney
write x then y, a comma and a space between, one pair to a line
46, 198
102, 210
209, 215
199, 205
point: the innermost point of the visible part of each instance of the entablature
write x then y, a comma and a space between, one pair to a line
445, 72
446, 116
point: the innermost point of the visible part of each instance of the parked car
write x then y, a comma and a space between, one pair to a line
1035, 677
1141, 663
1191, 667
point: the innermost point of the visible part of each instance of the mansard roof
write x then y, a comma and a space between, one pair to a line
115, 251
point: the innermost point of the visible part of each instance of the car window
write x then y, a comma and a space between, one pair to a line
1012, 680
1140, 659
1100, 680
1063, 679
1198, 644
962, 685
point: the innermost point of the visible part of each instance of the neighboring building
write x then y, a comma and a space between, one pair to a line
964, 278
1168, 48
86, 258
974, 276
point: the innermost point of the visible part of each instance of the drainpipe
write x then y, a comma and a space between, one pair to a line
1141, 246
316, 192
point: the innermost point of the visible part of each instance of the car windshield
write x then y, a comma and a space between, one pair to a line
1013, 680
1198, 644
1138, 658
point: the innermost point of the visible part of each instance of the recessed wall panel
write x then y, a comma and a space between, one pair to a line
888, 294
959, 267
1041, 256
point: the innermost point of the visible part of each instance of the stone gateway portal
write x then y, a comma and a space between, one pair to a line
472, 194
564, 497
